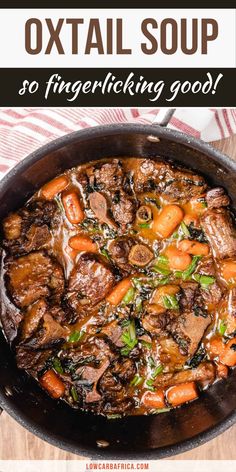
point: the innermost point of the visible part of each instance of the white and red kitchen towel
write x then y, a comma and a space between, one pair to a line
22, 130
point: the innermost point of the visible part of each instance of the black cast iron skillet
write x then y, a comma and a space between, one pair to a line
147, 437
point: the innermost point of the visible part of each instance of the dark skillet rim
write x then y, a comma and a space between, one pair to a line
6, 403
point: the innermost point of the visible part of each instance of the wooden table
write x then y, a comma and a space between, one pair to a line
17, 443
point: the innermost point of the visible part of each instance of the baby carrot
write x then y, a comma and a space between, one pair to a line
53, 384
166, 222
228, 270
154, 399
54, 187
72, 207
82, 243
194, 247
178, 260
215, 347
228, 357
119, 291
182, 393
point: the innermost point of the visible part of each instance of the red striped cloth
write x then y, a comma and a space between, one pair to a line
22, 130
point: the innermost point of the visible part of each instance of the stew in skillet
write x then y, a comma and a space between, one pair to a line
119, 286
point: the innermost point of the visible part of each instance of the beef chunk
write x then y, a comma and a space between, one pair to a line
11, 318
93, 352
211, 295
29, 229
182, 184
124, 211
187, 330
114, 407
34, 276
124, 371
177, 183
204, 374
31, 360
90, 281
113, 331
220, 232
93, 375
216, 198
155, 323
111, 386
39, 321
109, 176
188, 295
49, 334
119, 250
32, 318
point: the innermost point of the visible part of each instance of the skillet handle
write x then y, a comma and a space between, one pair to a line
164, 116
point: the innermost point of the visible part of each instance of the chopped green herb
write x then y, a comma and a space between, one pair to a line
136, 282
204, 204
170, 302
105, 253
57, 365
190, 269
75, 336
175, 235
137, 380
74, 394
129, 339
146, 344
162, 265
129, 296
138, 304
144, 225
162, 281
158, 370
222, 327
151, 362
204, 280
149, 382
184, 229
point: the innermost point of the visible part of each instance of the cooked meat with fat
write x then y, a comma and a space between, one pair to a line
29, 229
119, 250
140, 255
220, 232
124, 211
188, 295
109, 176
212, 293
171, 181
216, 198
90, 281
34, 276
155, 323
203, 374
114, 332
32, 360
188, 329
49, 334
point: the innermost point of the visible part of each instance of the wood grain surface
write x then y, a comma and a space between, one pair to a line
17, 443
